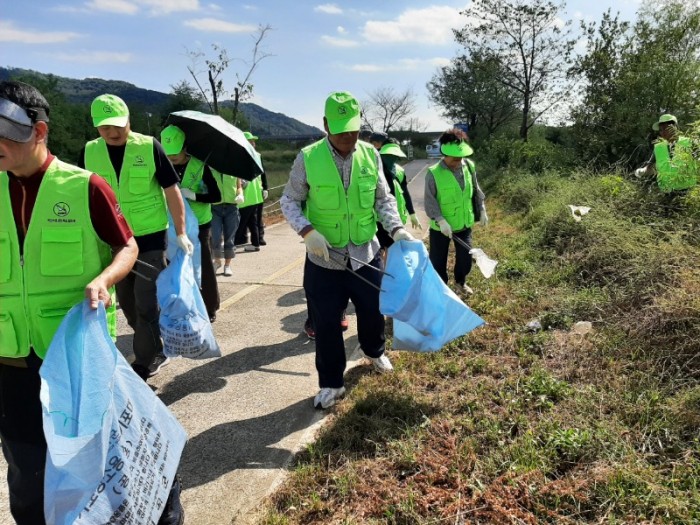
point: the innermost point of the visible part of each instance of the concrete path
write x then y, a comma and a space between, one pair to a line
249, 411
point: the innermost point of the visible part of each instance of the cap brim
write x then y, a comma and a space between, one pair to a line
119, 122
344, 126
392, 149
454, 149
172, 149
15, 132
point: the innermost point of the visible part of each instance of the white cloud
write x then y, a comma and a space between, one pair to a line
10, 33
432, 25
93, 57
113, 6
329, 9
339, 42
404, 64
221, 26
131, 7
341, 30
164, 7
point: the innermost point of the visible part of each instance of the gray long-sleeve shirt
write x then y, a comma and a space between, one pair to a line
432, 207
297, 190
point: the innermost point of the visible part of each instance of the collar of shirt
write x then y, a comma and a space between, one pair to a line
37, 175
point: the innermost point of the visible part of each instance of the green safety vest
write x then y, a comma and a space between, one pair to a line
193, 179
140, 196
339, 215
398, 193
62, 254
252, 193
678, 172
455, 202
228, 186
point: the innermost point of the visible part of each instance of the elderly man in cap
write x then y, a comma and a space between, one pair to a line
335, 194
46, 265
454, 202
673, 164
146, 185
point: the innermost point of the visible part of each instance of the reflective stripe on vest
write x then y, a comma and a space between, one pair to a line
62, 254
340, 215
398, 193
677, 172
455, 203
193, 179
252, 193
140, 196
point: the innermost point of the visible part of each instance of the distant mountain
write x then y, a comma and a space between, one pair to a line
263, 122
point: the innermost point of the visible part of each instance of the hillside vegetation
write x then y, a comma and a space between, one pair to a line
515, 424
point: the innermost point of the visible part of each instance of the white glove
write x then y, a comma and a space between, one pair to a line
484, 219
445, 228
184, 242
264, 194
415, 223
317, 244
239, 198
402, 235
640, 172
188, 194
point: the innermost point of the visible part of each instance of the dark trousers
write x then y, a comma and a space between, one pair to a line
138, 300
249, 221
259, 216
23, 443
328, 292
440, 245
210, 288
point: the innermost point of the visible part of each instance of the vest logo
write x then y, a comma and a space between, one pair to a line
363, 170
138, 161
61, 209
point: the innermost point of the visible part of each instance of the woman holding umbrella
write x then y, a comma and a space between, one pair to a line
198, 186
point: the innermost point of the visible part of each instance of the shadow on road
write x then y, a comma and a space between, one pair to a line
211, 376
246, 444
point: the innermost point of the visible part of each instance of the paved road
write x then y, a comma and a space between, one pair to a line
247, 412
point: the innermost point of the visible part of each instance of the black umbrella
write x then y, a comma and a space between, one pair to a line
218, 143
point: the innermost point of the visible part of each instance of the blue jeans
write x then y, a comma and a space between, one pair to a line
225, 218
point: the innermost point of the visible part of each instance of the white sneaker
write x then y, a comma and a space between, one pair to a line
467, 289
327, 396
217, 265
227, 271
381, 364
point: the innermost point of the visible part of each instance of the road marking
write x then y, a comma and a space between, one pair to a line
250, 289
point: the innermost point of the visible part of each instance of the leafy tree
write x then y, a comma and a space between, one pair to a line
387, 110
470, 90
526, 38
216, 67
633, 73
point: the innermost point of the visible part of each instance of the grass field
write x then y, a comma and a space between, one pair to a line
514, 425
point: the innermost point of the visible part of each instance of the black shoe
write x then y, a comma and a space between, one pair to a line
141, 371
212, 318
173, 513
159, 362
263, 242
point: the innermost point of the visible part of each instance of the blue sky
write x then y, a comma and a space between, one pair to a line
316, 47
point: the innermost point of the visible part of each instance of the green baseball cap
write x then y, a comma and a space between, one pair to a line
342, 113
109, 110
666, 117
392, 149
248, 135
173, 139
456, 149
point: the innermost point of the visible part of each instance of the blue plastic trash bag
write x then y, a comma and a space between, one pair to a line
192, 230
427, 314
113, 446
184, 321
